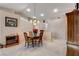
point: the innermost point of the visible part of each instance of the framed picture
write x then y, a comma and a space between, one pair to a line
11, 22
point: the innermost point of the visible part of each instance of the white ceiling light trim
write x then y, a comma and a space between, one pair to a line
28, 9
55, 10
42, 14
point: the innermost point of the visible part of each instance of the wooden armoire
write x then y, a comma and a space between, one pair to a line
73, 33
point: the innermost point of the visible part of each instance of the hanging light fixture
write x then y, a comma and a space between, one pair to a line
30, 21
34, 17
35, 21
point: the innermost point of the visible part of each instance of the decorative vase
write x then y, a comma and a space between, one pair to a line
35, 32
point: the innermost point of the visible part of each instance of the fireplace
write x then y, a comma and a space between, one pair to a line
12, 40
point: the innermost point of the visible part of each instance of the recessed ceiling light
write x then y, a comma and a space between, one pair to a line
34, 17
42, 14
55, 10
28, 9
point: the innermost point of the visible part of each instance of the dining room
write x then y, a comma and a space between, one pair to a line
28, 29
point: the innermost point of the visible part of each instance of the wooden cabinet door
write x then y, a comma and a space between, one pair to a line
72, 50
77, 29
70, 28
73, 33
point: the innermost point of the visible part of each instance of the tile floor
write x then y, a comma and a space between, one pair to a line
56, 47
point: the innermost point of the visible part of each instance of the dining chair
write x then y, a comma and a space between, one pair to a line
1, 45
30, 33
28, 40
40, 37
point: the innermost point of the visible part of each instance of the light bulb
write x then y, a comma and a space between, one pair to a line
34, 20
42, 14
38, 21
34, 23
55, 10
28, 9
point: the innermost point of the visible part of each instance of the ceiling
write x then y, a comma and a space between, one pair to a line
46, 8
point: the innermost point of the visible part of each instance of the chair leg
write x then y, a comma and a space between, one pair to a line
25, 44
28, 44
32, 43
41, 42
38, 43
35, 42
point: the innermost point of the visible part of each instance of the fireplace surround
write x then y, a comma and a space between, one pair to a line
12, 40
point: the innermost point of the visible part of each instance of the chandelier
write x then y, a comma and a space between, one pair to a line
33, 20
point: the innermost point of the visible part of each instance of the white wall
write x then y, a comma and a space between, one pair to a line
0, 29
58, 27
5, 31
23, 26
